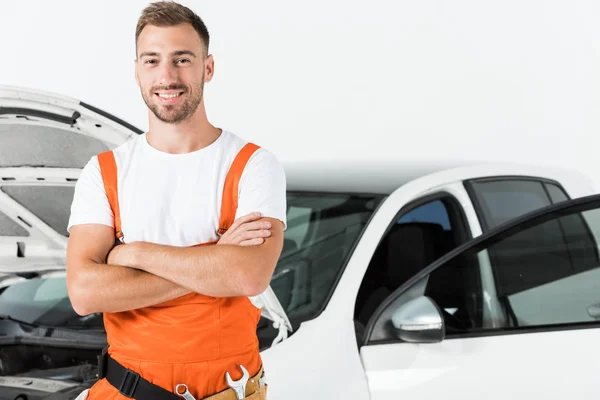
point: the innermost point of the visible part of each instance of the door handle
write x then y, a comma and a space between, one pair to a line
594, 311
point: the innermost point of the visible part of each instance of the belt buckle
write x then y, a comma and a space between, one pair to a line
129, 384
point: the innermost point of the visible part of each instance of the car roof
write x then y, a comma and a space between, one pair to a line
373, 177
384, 177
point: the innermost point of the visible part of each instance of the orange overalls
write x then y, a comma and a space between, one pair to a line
193, 339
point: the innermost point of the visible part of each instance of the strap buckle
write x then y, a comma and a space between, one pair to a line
102, 363
129, 383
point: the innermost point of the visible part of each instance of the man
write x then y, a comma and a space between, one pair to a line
174, 291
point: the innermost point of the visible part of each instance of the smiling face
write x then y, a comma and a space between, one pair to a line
171, 70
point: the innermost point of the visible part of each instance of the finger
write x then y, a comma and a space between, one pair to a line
237, 235
241, 236
252, 242
256, 225
254, 234
243, 219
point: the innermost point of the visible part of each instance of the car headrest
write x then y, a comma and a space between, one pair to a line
410, 248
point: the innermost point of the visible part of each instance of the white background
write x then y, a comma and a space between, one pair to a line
513, 80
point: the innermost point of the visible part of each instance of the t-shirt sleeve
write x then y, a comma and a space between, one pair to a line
262, 187
90, 204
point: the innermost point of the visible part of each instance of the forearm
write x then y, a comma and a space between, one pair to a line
114, 288
219, 271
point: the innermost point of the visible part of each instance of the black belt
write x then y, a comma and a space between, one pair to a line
129, 383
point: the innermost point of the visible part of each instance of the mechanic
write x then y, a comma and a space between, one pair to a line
173, 231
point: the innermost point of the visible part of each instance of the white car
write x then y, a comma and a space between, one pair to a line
428, 282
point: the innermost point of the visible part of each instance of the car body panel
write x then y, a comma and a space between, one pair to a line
541, 365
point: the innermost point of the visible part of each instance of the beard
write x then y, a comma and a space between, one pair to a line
176, 113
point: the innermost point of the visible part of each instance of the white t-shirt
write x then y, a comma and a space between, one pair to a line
175, 199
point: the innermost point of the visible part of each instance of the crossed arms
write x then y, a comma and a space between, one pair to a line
102, 277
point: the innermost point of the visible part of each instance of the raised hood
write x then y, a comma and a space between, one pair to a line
45, 141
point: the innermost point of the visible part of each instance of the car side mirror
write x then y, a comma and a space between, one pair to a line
419, 321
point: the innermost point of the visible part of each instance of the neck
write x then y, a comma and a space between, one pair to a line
188, 136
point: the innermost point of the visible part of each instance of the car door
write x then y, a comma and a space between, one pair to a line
514, 313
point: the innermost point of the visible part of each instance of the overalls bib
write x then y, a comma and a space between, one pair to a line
194, 339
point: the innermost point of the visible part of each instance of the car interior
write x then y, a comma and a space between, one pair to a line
406, 249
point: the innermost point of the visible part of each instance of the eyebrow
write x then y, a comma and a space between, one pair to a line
175, 53
183, 53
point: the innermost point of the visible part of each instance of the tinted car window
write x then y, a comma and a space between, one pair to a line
539, 277
556, 193
498, 201
434, 212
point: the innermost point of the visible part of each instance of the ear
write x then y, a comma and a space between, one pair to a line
135, 67
209, 68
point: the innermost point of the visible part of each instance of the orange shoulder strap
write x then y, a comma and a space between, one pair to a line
108, 169
229, 203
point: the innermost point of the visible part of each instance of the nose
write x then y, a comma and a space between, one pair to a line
167, 74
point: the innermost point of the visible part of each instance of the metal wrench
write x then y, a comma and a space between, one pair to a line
263, 380
186, 395
239, 387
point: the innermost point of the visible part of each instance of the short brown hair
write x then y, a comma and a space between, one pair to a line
170, 13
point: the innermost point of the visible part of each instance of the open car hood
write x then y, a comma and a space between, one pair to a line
46, 140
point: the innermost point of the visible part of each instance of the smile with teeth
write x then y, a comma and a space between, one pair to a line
169, 95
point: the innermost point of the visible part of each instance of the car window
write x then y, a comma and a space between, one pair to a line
542, 276
499, 200
419, 236
433, 212
322, 229
557, 194
43, 301
300, 217
50, 290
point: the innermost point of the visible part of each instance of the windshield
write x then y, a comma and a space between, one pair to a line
44, 301
321, 231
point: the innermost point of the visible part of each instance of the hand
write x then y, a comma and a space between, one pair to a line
117, 255
247, 231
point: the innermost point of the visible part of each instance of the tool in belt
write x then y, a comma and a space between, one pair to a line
130, 384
